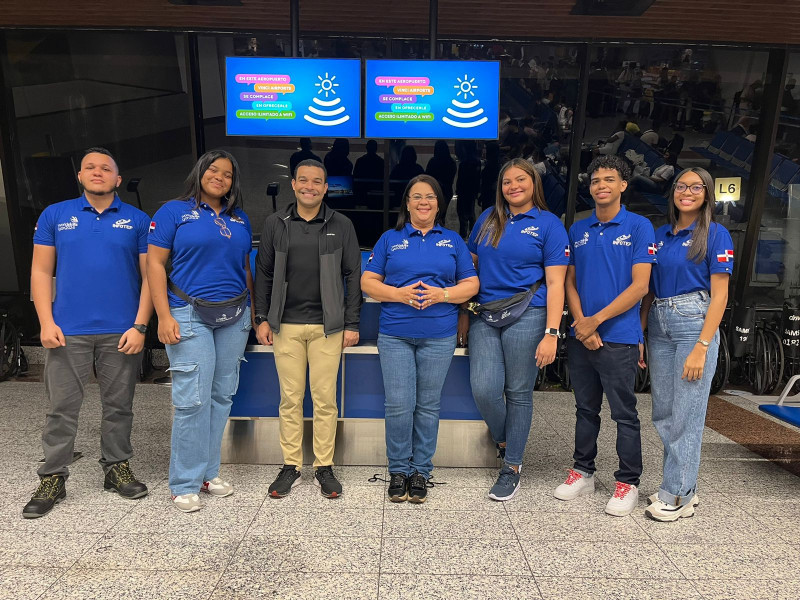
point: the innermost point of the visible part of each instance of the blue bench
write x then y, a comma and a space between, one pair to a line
788, 414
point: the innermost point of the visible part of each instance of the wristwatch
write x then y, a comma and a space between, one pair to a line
551, 331
702, 341
446, 295
259, 319
140, 328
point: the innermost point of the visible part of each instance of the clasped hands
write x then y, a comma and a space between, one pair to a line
420, 295
586, 332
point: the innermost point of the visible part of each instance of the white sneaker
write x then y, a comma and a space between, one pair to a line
623, 501
653, 498
187, 502
217, 487
575, 485
661, 511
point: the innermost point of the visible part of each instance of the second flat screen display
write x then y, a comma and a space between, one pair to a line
432, 99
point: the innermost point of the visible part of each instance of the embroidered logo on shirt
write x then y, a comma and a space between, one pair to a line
444, 244
122, 224
687, 243
661, 244
190, 216
371, 254
625, 240
72, 224
152, 227
651, 248
583, 241
726, 256
532, 231
235, 219
401, 246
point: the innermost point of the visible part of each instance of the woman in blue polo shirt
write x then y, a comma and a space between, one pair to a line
682, 312
420, 271
516, 244
203, 317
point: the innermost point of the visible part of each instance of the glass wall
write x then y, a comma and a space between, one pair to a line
666, 108
776, 272
8, 270
75, 89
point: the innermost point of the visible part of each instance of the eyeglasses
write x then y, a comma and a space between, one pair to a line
418, 197
695, 188
223, 228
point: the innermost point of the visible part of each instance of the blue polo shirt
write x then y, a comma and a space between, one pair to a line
205, 263
439, 258
675, 274
530, 242
603, 255
97, 264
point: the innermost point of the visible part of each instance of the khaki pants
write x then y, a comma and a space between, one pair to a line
296, 346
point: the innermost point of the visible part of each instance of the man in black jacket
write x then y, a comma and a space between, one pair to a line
307, 303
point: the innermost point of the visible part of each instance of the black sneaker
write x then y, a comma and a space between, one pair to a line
417, 488
329, 486
284, 482
121, 479
52, 490
398, 487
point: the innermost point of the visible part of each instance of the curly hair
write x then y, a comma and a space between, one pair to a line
610, 161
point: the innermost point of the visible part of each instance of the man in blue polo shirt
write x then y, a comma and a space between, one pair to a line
96, 246
611, 256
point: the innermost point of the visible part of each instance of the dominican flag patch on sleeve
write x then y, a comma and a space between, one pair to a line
152, 227
566, 251
652, 249
726, 256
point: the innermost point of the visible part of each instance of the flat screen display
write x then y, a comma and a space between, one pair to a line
297, 97
432, 99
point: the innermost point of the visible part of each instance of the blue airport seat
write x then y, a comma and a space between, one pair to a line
789, 414
728, 148
742, 157
712, 149
780, 179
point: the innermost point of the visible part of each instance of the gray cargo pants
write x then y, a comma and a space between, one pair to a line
67, 369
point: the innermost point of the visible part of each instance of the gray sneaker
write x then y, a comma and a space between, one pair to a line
506, 486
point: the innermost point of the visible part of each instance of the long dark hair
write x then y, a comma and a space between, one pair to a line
493, 227
193, 186
404, 216
697, 251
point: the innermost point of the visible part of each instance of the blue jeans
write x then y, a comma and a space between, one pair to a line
679, 406
610, 369
502, 367
413, 370
205, 375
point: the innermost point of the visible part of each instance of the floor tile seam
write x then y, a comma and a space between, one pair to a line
68, 569
238, 545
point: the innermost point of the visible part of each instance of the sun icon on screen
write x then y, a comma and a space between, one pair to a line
326, 85
465, 86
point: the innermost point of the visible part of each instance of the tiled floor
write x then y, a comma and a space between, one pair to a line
744, 541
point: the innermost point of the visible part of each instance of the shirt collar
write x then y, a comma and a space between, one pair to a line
410, 230
689, 229
532, 213
115, 204
297, 217
618, 218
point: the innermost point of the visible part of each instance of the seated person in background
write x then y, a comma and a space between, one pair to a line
611, 144
533, 155
489, 175
369, 166
336, 161
657, 181
650, 136
742, 128
442, 168
408, 167
304, 153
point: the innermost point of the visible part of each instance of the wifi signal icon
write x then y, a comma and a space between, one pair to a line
330, 108
465, 86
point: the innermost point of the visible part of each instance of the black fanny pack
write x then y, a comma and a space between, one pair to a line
499, 313
219, 314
